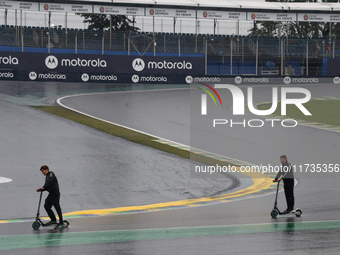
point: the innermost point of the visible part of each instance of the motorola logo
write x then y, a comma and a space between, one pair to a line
189, 79
51, 62
138, 64
287, 80
33, 75
135, 78
238, 79
85, 77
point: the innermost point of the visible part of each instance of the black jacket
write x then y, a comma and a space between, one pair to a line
51, 183
286, 172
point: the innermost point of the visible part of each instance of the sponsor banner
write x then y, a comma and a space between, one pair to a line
75, 8
221, 15
131, 78
96, 77
48, 76
170, 65
61, 63
261, 80
148, 78
8, 75
313, 17
17, 5
90, 77
180, 13
118, 10
102, 78
271, 16
9, 60
157, 79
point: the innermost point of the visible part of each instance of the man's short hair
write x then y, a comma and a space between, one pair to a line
283, 156
44, 167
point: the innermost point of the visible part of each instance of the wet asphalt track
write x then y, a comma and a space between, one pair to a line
178, 231
95, 170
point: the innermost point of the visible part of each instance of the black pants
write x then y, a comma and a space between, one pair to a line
288, 185
53, 200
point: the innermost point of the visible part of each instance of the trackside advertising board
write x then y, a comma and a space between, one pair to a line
98, 68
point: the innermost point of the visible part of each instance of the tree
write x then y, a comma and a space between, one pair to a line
102, 21
295, 29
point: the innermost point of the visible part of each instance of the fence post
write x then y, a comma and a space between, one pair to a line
231, 56
206, 56
307, 57
179, 45
333, 51
154, 36
110, 32
76, 43
22, 33
103, 43
66, 26
282, 54
129, 46
196, 28
257, 55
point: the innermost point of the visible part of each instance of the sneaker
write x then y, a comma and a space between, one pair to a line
60, 226
52, 222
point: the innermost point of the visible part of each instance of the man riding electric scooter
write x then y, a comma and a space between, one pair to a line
53, 198
286, 173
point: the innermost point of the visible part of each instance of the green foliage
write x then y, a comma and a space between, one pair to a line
294, 29
102, 21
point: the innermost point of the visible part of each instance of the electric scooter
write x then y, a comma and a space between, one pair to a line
38, 222
276, 210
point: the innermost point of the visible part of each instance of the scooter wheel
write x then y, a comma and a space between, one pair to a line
274, 214
66, 223
298, 212
36, 225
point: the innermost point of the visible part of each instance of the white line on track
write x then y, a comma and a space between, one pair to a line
157, 137
5, 180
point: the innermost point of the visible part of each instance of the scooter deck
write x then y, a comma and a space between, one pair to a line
49, 225
285, 213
